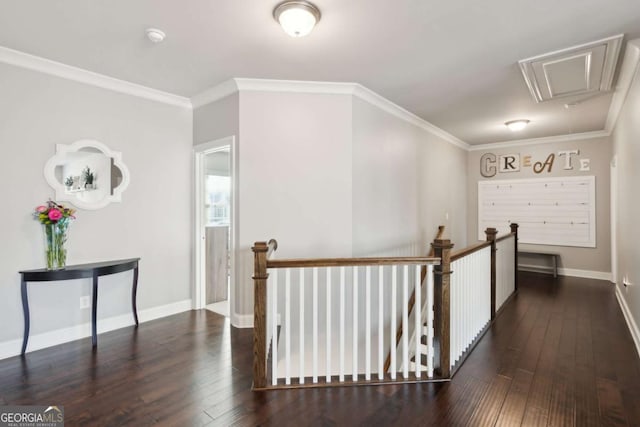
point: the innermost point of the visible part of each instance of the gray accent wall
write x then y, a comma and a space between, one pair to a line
153, 221
598, 150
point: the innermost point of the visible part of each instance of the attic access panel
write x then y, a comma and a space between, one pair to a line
579, 70
549, 211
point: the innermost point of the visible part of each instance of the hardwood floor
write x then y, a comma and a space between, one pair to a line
560, 353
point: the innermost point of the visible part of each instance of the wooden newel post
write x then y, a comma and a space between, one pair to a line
442, 307
491, 237
260, 276
514, 230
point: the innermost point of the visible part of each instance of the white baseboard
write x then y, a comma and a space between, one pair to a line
60, 336
587, 274
572, 272
631, 323
242, 320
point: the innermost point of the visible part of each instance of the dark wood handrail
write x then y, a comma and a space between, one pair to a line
349, 262
469, 250
506, 236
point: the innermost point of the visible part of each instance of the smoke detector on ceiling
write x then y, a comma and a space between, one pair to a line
585, 69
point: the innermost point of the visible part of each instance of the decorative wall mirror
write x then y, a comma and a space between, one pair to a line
87, 174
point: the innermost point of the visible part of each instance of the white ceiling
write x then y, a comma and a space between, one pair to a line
453, 63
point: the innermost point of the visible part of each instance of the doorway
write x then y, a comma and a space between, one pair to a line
215, 225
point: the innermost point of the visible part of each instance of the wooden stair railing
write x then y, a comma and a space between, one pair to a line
412, 301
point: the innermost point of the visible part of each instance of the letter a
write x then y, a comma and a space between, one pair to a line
539, 166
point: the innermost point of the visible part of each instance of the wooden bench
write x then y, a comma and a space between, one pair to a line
554, 261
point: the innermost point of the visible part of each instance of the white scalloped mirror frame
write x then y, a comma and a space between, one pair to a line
63, 153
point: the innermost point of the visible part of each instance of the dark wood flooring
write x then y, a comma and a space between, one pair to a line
559, 354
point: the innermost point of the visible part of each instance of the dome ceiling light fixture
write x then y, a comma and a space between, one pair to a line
155, 35
516, 125
297, 17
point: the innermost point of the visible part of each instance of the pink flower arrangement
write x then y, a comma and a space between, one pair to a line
53, 212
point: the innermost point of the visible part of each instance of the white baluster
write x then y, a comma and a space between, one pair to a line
394, 328
367, 322
354, 363
274, 328
405, 322
287, 326
468, 295
453, 302
475, 283
328, 344
430, 350
380, 322
301, 308
315, 325
342, 301
452, 299
418, 320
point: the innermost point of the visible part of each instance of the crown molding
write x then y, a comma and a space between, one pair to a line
47, 66
295, 86
394, 109
234, 85
543, 140
331, 88
628, 71
213, 94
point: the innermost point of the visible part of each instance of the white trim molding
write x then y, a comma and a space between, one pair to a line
295, 86
330, 88
571, 272
224, 89
242, 320
542, 140
394, 109
586, 274
58, 69
60, 336
628, 316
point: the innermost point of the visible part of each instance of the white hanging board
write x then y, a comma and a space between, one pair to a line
549, 211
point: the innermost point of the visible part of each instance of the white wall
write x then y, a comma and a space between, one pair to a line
216, 120
295, 178
588, 260
626, 149
152, 222
331, 175
405, 181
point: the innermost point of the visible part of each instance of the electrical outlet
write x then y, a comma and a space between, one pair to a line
85, 302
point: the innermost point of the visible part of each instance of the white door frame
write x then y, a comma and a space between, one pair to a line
199, 152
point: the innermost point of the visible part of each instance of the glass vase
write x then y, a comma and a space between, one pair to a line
55, 236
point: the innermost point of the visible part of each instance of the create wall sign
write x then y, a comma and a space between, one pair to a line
492, 164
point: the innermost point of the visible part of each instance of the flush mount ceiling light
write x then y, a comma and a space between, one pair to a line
516, 125
155, 35
297, 18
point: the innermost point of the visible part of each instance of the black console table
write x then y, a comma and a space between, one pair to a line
80, 271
